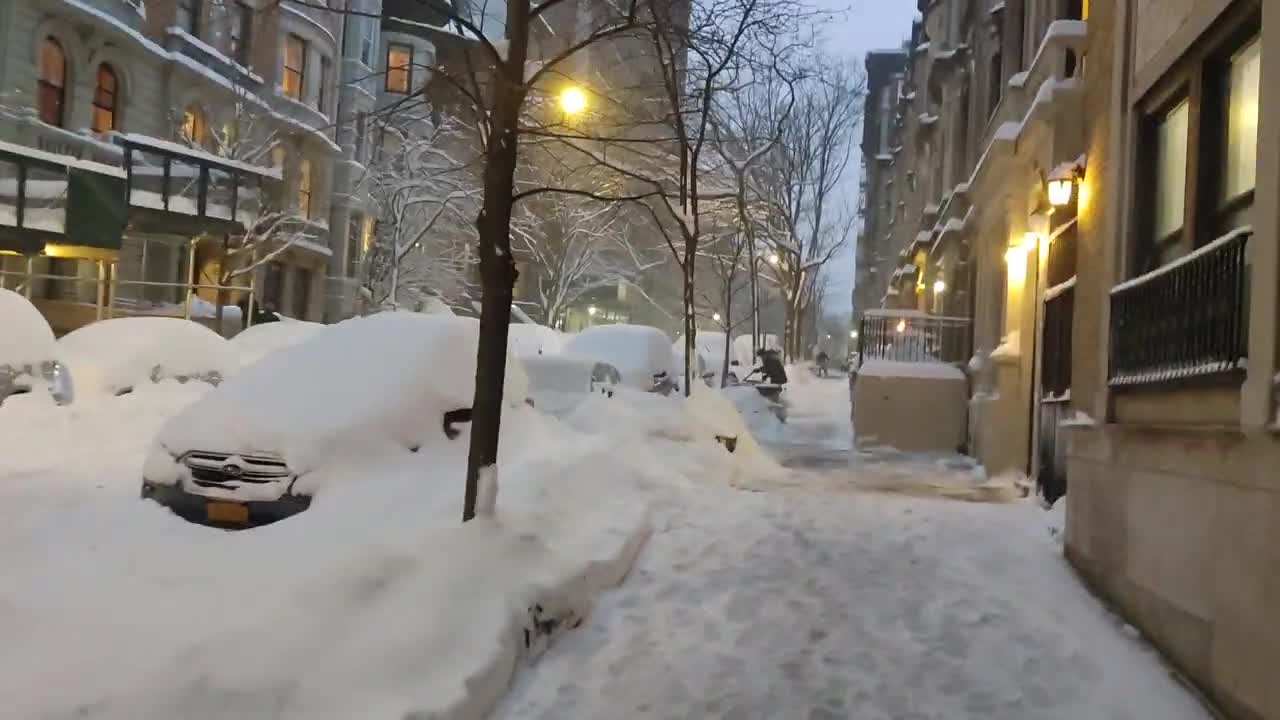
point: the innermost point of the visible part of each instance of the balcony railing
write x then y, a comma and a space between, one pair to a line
913, 336
1188, 319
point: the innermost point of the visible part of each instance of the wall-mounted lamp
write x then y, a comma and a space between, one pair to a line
1030, 241
939, 287
902, 326
1061, 190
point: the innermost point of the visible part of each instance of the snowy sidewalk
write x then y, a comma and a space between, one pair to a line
822, 604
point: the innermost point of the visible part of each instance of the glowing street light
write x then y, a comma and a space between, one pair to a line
939, 287
853, 334
591, 310
715, 317
902, 326
1060, 190
573, 100
773, 259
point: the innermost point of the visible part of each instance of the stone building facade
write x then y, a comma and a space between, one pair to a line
217, 86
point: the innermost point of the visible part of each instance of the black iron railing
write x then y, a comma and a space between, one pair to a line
1188, 319
907, 336
1059, 311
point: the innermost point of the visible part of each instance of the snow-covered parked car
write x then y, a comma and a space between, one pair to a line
29, 356
259, 447
112, 357
256, 342
642, 354
557, 383
529, 340
701, 367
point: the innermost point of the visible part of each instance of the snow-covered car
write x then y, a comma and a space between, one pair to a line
112, 357
29, 356
259, 447
701, 367
256, 342
529, 340
642, 354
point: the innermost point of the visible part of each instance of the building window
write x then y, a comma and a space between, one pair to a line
355, 242
322, 97
104, 100
304, 187
1198, 149
362, 129
239, 32
1169, 191
1240, 146
294, 66
52, 85
399, 68
995, 82
188, 19
301, 299
195, 126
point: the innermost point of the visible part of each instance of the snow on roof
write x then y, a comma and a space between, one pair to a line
915, 370
66, 160
27, 338
109, 356
147, 141
364, 385
214, 52
639, 352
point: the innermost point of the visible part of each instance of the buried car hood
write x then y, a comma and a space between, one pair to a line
361, 387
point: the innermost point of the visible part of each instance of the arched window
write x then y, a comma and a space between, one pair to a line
52, 86
105, 97
195, 125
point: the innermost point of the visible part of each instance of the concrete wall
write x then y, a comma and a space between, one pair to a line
910, 414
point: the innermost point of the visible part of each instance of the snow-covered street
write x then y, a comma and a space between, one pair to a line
831, 602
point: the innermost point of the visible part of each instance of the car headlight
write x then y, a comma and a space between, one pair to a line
61, 386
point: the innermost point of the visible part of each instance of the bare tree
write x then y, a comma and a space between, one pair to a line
424, 184
801, 183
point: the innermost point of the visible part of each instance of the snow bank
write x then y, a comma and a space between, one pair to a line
360, 389
916, 370
639, 352
26, 338
113, 356
254, 343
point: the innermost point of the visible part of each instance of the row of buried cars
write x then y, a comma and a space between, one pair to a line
288, 402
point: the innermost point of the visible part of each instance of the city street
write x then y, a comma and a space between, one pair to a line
826, 601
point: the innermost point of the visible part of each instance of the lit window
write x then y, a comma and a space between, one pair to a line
399, 68
52, 85
1241, 152
195, 126
304, 187
104, 100
1169, 193
294, 66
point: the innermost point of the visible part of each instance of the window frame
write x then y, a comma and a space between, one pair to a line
46, 87
299, 73
240, 32
322, 94
1200, 78
111, 95
191, 9
406, 68
306, 186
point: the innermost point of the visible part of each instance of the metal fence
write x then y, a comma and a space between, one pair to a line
1188, 319
908, 336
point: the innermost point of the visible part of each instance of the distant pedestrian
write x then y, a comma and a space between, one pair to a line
822, 359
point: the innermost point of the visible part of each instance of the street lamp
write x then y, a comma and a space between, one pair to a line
902, 326
591, 310
853, 334
773, 259
573, 100
715, 317
939, 287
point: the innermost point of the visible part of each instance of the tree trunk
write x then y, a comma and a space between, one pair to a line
497, 268
690, 320
728, 323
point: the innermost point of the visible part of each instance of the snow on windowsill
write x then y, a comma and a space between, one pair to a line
1060, 288
211, 51
1009, 350
1198, 252
1078, 419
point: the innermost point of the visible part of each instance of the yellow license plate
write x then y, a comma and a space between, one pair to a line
227, 512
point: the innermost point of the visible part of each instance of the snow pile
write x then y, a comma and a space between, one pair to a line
114, 356
254, 343
714, 410
915, 370
386, 382
26, 338
639, 352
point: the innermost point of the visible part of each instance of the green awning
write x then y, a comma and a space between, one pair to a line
97, 209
